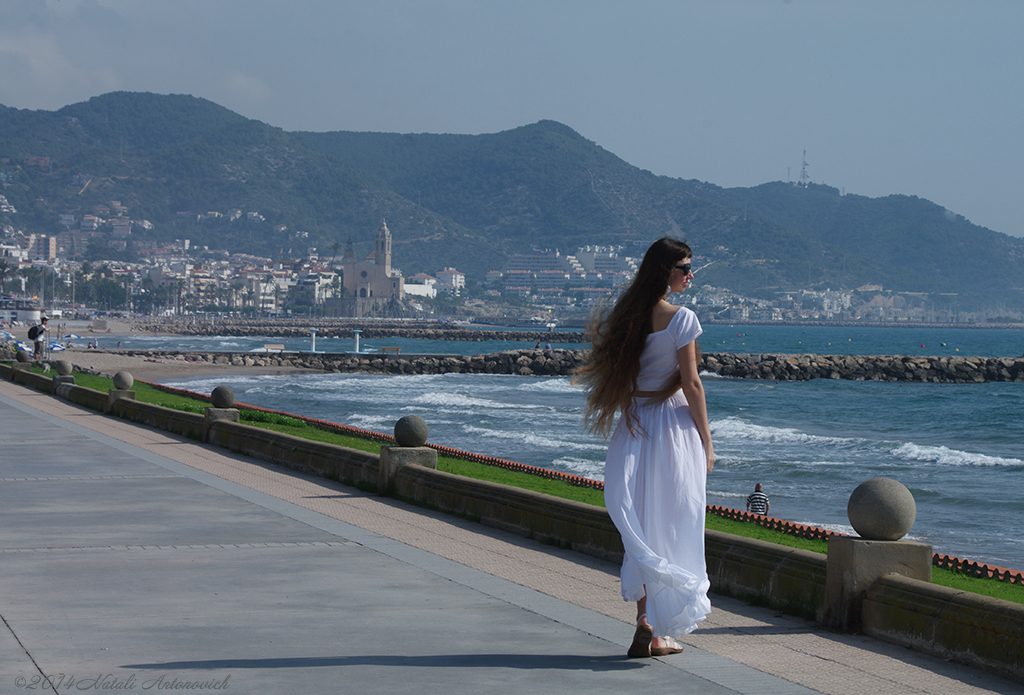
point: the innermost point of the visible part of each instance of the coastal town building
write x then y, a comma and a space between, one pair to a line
421, 285
452, 281
370, 283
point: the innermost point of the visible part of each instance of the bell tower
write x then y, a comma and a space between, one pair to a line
383, 248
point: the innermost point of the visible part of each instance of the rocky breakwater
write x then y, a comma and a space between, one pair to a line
944, 370
519, 362
530, 362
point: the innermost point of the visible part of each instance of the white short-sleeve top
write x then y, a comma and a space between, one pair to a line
659, 360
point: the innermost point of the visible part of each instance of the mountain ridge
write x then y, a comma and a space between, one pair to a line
470, 201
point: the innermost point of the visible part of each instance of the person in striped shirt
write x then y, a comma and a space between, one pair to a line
757, 502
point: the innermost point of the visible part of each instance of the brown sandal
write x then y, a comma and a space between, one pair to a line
671, 647
642, 638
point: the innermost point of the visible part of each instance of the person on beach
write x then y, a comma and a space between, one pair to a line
40, 339
757, 501
643, 366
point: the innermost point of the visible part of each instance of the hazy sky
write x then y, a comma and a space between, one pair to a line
919, 97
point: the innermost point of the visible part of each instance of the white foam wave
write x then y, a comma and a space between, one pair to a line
736, 428
375, 423
588, 468
944, 456
556, 385
463, 401
727, 495
532, 439
834, 528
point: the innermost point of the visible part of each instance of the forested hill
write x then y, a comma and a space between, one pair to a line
470, 201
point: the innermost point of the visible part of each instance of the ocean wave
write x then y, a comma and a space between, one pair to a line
463, 402
588, 468
531, 439
737, 428
944, 456
557, 385
727, 495
375, 423
834, 528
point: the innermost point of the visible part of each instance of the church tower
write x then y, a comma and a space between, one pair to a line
382, 249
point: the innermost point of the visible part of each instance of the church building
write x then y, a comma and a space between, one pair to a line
370, 283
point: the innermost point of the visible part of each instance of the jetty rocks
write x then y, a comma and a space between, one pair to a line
940, 370
528, 362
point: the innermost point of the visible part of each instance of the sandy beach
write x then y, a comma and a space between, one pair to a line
144, 369
156, 369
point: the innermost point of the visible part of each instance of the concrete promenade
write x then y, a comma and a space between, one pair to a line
135, 560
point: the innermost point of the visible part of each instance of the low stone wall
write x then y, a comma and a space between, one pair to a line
776, 367
349, 466
788, 578
176, 421
951, 624
567, 524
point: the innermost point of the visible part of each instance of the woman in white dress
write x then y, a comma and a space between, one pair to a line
643, 366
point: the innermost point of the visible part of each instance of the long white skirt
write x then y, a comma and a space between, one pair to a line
654, 488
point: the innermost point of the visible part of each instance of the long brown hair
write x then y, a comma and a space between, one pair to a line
618, 338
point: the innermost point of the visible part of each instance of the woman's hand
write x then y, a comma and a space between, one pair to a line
710, 455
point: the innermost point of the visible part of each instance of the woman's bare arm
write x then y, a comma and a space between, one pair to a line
693, 389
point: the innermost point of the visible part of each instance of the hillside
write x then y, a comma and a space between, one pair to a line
470, 201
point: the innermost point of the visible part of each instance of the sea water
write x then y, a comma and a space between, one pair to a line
959, 448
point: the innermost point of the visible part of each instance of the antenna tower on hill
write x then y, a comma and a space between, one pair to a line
805, 180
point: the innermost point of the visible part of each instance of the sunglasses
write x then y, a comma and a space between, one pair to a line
685, 267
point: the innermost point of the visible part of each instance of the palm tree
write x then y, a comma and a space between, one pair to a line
278, 292
181, 291
334, 251
337, 288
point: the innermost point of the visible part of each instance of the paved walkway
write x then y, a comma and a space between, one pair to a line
134, 558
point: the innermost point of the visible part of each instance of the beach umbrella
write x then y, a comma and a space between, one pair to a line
72, 336
5, 335
56, 347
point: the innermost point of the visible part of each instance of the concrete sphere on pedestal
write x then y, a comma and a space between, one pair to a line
23, 356
411, 430
881, 509
222, 397
63, 367
123, 381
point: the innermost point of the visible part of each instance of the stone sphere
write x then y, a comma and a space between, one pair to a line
63, 367
881, 509
123, 381
411, 430
222, 397
23, 356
